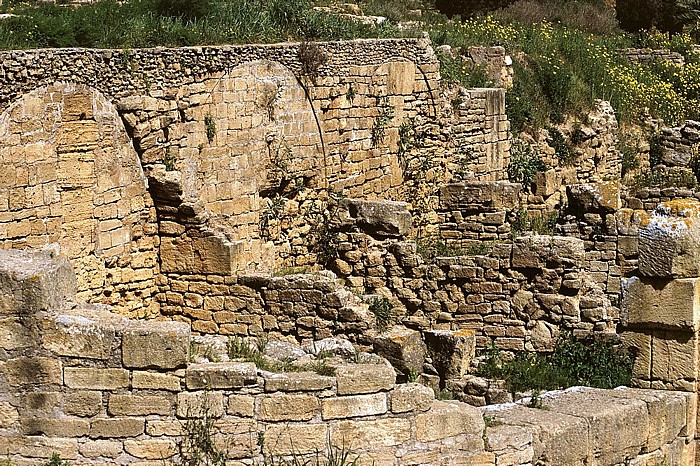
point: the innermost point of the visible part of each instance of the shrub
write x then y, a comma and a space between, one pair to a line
186, 9
635, 15
430, 247
463, 71
524, 163
383, 311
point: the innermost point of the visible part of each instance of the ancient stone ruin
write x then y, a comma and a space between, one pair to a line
165, 208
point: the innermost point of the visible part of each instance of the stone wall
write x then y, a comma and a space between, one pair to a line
96, 388
646, 56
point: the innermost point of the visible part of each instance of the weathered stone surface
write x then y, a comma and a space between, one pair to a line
411, 397
116, 428
220, 375
283, 407
297, 381
151, 449
649, 302
289, 439
209, 255
101, 448
619, 427
380, 218
155, 381
78, 336
156, 345
364, 378
8, 414
83, 404
88, 378
451, 351
200, 404
486, 196
594, 198
539, 250
138, 405
675, 359
546, 183
31, 282
353, 406
511, 444
241, 405
283, 351
52, 427
448, 419
403, 348
379, 433
333, 346
669, 240
33, 371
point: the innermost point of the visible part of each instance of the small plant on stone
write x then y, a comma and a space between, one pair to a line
536, 400
350, 94
430, 247
383, 311
272, 212
482, 248
524, 163
55, 460
198, 447
210, 125
267, 99
446, 395
381, 121
562, 148
412, 375
312, 59
169, 160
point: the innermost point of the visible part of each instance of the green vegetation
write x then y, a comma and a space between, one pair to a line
239, 348
383, 312
431, 247
542, 224
56, 460
590, 362
524, 163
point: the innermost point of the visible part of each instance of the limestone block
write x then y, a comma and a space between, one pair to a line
151, 449
208, 255
116, 428
45, 447
482, 196
380, 218
451, 351
173, 428
297, 381
295, 439
669, 240
8, 414
401, 78
55, 427
599, 198
241, 405
283, 407
138, 405
364, 378
238, 436
402, 347
639, 344
155, 381
546, 183
619, 427
650, 302
538, 250
353, 406
31, 282
156, 345
375, 434
448, 419
220, 375
32, 371
200, 404
89, 378
675, 358
77, 336
83, 404
558, 438
101, 448
411, 397
14, 334
511, 444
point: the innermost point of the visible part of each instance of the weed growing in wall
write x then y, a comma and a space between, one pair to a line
169, 160
55, 460
430, 247
590, 361
524, 163
239, 348
210, 126
539, 224
381, 121
312, 59
562, 148
383, 312
198, 447
629, 151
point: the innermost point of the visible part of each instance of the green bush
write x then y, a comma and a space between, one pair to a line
524, 163
590, 361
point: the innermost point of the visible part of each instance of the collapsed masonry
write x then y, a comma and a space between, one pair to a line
97, 388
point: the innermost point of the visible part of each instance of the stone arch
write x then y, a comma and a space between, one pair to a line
71, 177
247, 136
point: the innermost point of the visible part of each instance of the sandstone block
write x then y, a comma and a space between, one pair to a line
353, 406
200, 404
155, 381
669, 240
221, 375
45, 447
404, 348
116, 428
451, 351
640, 345
675, 358
297, 381
448, 419
376, 434
364, 378
293, 439
539, 250
8, 414
283, 407
209, 255
489, 196
88, 378
241, 405
661, 303
55, 427
77, 336
101, 448
173, 428
411, 397
33, 371
14, 334
32, 282
138, 405
151, 449
156, 345
380, 218
594, 198
546, 183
